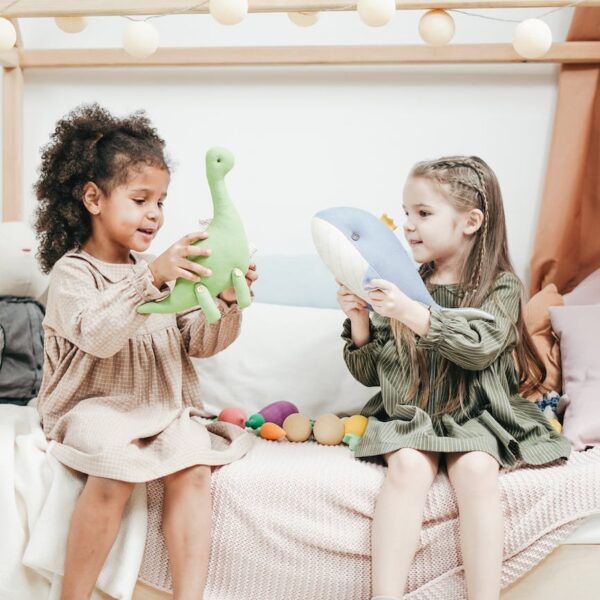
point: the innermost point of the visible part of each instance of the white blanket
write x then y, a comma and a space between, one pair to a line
37, 497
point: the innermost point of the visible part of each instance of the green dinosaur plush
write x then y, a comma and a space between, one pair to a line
230, 256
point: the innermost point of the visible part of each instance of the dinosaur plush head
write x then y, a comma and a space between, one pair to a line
219, 161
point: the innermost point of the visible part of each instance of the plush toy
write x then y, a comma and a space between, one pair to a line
233, 415
281, 419
276, 412
297, 427
328, 429
354, 429
230, 257
553, 407
357, 247
20, 274
271, 431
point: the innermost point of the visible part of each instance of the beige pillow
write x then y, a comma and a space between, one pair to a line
537, 320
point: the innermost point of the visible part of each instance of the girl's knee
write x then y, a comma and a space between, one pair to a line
475, 471
198, 477
109, 491
412, 466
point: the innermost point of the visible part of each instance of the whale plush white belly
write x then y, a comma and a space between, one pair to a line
357, 247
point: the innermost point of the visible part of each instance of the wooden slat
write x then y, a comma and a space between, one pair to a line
12, 145
55, 8
566, 52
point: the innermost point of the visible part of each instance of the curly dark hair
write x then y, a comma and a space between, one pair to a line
88, 144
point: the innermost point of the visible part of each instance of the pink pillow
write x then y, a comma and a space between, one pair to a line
578, 328
586, 292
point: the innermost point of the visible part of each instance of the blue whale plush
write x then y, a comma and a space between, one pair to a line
357, 247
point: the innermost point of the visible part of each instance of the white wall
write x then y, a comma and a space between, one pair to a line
308, 138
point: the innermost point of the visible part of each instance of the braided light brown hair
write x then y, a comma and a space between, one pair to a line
467, 182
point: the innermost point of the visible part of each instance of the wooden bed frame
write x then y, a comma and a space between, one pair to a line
571, 570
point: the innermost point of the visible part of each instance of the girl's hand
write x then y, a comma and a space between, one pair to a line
354, 307
174, 262
251, 277
388, 301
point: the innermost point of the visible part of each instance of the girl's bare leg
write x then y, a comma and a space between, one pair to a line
187, 524
398, 518
94, 528
474, 476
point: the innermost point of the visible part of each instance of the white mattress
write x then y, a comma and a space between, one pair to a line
587, 533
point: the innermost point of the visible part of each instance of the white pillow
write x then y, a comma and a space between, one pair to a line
291, 353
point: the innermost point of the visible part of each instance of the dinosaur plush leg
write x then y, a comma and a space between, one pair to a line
242, 291
207, 304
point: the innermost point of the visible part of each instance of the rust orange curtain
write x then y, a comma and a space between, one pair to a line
567, 242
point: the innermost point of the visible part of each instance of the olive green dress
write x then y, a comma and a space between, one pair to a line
495, 418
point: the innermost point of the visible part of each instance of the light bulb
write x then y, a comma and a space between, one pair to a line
532, 38
304, 19
228, 12
140, 39
376, 12
8, 34
71, 24
436, 27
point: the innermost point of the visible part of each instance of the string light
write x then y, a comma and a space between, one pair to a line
304, 19
140, 39
8, 34
436, 27
228, 12
71, 24
376, 13
532, 37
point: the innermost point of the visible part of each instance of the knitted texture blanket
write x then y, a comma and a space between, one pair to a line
293, 521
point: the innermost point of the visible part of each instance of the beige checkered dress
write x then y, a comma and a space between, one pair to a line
120, 397
496, 419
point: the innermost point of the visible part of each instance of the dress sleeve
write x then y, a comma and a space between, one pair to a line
362, 362
476, 344
203, 340
98, 321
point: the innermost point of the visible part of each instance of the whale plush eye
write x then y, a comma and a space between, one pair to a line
355, 237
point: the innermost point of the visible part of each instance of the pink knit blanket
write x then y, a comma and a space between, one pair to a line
292, 521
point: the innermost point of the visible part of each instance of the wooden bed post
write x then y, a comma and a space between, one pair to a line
12, 140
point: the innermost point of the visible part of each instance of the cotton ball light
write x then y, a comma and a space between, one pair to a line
71, 24
228, 12
436, 27
140, 39
376, 12
532, 38
304, 19
8, 34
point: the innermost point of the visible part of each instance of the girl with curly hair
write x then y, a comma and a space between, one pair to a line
449, 384
120, 399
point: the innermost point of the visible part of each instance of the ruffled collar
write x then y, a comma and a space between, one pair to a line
113, 272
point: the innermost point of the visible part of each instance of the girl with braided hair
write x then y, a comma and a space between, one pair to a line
120, 400
449, 386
